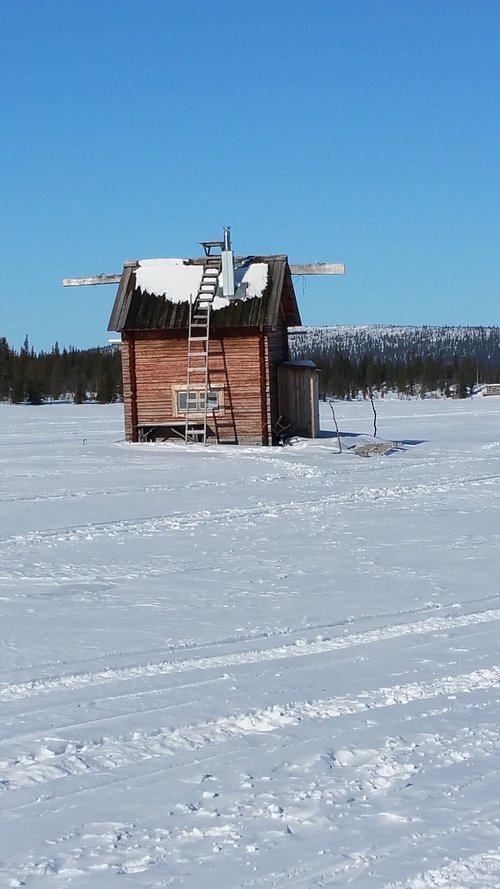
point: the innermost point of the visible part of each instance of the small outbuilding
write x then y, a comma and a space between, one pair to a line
491, 389
204, 367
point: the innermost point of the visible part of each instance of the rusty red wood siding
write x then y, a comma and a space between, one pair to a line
160, 363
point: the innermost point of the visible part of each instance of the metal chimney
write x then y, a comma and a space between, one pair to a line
227, 264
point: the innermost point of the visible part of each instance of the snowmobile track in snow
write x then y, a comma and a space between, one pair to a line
297, 649
59, 758
188, 521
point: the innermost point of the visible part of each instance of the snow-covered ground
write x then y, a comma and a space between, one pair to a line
250, 668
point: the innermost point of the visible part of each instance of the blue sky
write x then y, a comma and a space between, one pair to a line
363, 131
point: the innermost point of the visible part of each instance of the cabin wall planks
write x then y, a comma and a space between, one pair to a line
155, 364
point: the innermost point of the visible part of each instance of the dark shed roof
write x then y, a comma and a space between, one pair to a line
135, 309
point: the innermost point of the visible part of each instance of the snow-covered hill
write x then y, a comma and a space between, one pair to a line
391, 342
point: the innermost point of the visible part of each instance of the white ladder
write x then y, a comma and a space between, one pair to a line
198, 348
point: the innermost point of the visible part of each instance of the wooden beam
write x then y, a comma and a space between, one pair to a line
318, 268
95, 279
311, 268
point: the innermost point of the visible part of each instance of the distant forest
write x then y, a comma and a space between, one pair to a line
449, 361
27, 377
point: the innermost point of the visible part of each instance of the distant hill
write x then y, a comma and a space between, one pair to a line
400, 343
414, 360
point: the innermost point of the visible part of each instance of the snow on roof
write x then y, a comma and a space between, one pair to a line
301, 362
254, 276
172, 278
178, 280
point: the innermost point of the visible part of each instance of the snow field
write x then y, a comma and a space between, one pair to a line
250, 667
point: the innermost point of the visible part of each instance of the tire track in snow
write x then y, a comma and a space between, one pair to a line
59, 758
188, 521
300, 648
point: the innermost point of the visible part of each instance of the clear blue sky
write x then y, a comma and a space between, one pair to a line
363, 131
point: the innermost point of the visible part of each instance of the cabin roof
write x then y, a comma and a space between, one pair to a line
165, 304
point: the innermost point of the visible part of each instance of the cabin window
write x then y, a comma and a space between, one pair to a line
195, 404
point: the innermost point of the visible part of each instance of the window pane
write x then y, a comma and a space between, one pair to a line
194, 402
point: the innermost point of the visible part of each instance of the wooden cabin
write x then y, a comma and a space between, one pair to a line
253, 394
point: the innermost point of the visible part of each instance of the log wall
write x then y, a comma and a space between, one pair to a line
156, 361
129, 387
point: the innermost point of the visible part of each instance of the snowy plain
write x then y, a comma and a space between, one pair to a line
250, 668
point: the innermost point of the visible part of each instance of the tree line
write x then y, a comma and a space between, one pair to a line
352, 360
29, 377
345, 377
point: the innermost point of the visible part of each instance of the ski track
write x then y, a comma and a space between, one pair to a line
189, 521
297, 649
236, 639
299, 470
58, 758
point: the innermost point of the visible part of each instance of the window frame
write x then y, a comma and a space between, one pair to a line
199, 410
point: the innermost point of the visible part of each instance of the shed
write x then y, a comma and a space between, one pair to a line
491, 389
298, 396
246, 343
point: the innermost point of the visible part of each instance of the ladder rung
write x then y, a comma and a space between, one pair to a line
197, 339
